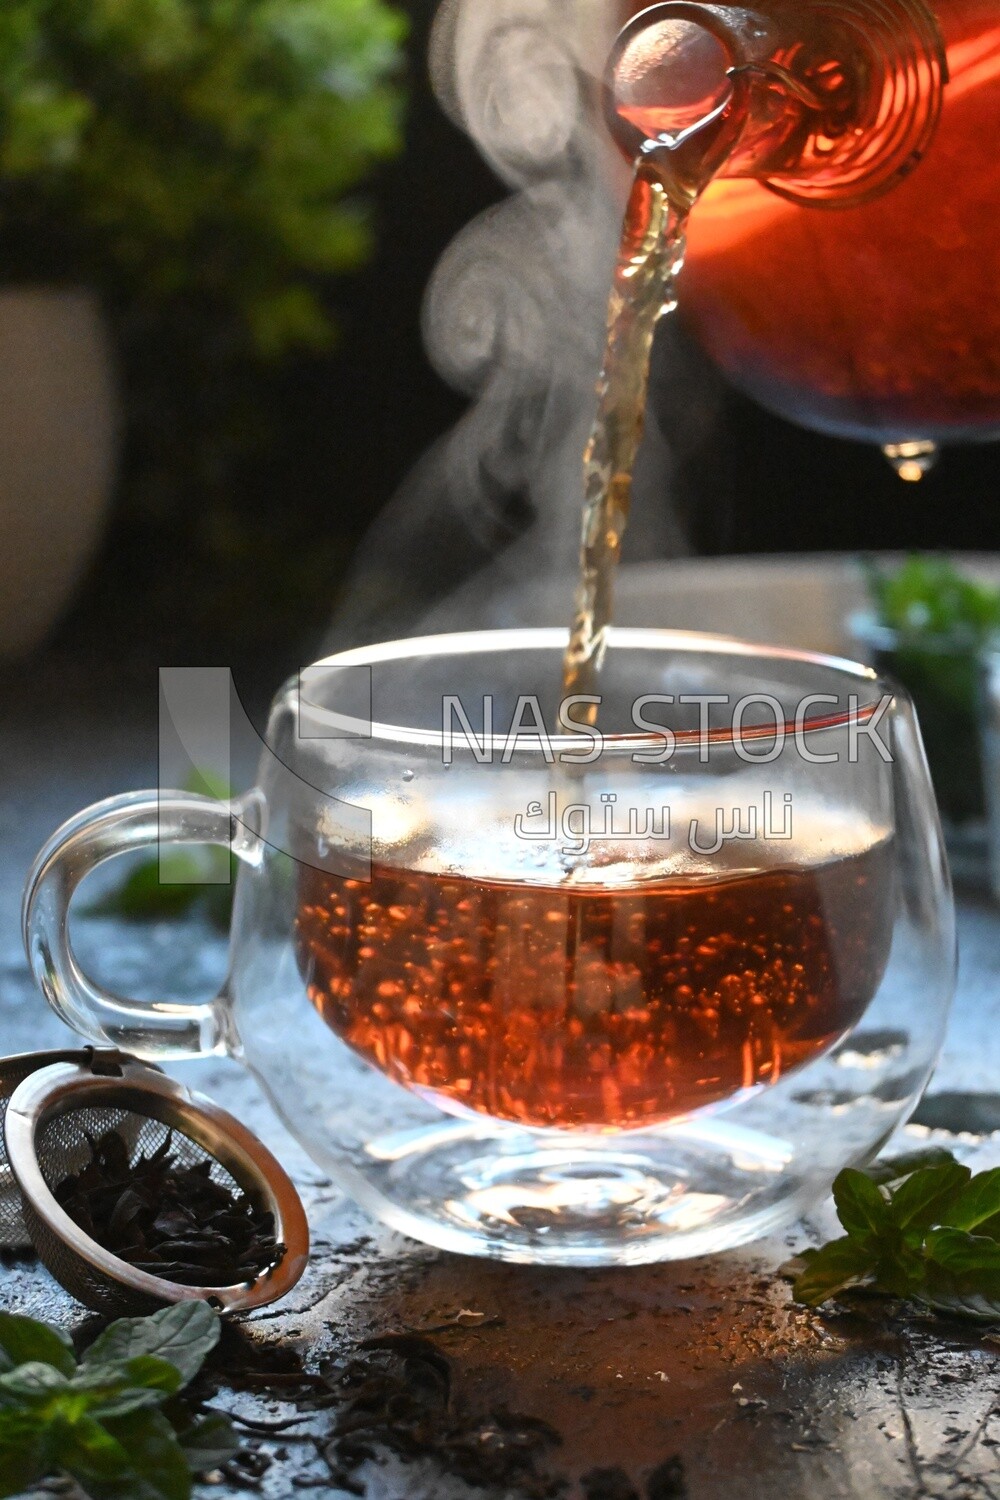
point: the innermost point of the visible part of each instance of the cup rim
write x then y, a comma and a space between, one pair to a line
326, 722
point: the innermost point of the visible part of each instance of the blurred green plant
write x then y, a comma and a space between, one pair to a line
935, 622
197, 164
928, 597
177, 882
195, 151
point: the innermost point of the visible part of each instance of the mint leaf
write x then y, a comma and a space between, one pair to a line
861, 1207
109, 1421
31, 1382
927, 1195
132, 1457
209, 1443
900, 1268
958, 1251
976, 1298
113, 1390
23, 1339
978, 1202
894, 1168
22, 1451
972, 1305
182, 1335
85, 1449
909, 1225
157, 1466
153, 1372
838, 1265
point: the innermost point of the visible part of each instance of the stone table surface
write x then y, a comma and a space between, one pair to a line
705, 1362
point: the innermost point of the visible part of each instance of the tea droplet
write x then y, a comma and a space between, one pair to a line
408, 775
912, 461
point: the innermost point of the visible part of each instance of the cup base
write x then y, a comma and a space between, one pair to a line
581, 1200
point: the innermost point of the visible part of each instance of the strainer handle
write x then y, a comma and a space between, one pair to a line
121, 825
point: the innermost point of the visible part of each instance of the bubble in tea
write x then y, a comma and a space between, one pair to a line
589, 1007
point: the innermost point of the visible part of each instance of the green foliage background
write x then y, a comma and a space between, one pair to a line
195, 149
197, 163
941, 623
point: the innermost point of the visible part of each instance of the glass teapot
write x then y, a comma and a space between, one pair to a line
842, 267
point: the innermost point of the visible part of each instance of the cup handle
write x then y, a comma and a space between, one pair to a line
138, 820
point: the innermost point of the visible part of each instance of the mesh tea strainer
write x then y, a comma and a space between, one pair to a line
13, 1071
57, 1111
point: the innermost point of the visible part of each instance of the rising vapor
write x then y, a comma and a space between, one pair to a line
513, 317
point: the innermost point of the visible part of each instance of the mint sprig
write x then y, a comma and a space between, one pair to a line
921, 1227
109, 1419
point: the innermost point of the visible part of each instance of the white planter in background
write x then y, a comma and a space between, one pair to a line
58, 431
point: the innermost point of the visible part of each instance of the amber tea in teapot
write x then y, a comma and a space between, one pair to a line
822, 174
867, 309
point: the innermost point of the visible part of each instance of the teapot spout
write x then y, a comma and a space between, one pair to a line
826, 103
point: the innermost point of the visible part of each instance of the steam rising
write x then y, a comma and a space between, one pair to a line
514, 316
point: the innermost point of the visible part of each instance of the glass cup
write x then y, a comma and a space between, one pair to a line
947, 678
546, 993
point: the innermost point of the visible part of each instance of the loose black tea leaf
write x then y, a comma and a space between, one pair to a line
171, 1220
608, 1484
397, 1394
667, 1482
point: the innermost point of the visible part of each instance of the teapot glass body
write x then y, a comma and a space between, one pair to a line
875, 319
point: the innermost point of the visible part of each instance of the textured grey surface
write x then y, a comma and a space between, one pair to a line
705, 1359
